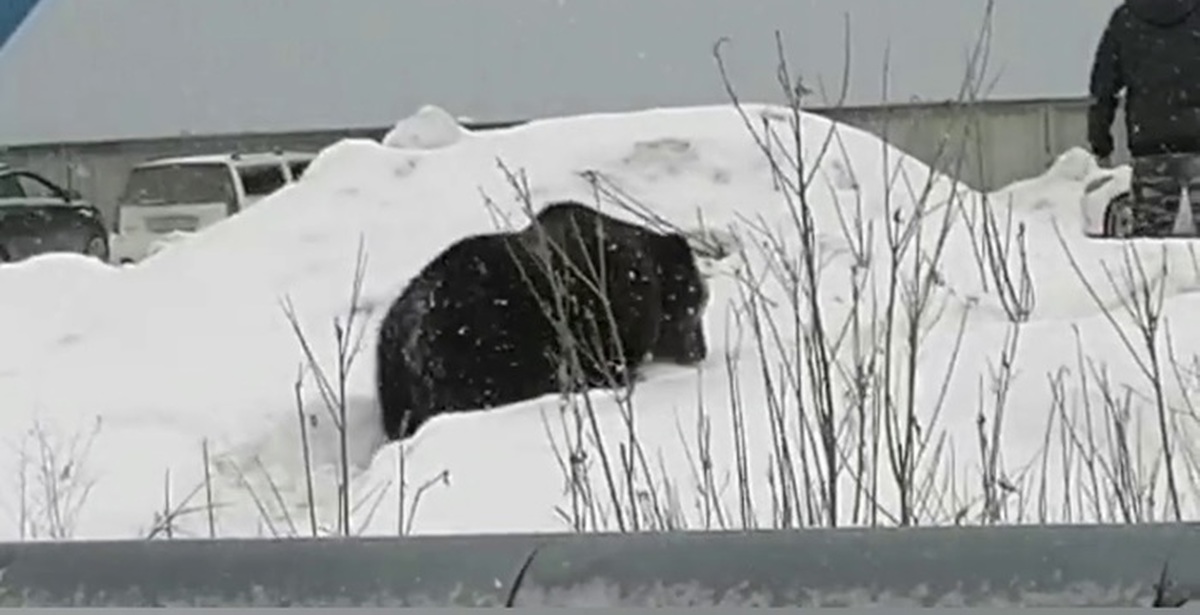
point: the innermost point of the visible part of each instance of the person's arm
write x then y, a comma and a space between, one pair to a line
1105, 83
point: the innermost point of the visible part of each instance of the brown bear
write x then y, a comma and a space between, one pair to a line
577, 299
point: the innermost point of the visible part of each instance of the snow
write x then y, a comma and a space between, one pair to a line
166, 241
190, 351
39, 293
431, 127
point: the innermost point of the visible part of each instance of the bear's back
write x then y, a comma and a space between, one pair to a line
471, 329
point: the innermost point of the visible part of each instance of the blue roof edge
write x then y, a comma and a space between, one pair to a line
12, 14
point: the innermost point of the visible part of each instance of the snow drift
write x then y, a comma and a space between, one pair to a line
189, 354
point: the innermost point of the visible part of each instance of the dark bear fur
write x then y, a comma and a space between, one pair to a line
476, 328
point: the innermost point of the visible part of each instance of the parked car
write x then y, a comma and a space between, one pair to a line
38, 216
166, 196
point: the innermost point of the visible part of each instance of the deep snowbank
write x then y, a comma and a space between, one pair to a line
193, 345
36, 293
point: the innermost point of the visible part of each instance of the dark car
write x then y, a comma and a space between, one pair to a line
38, 216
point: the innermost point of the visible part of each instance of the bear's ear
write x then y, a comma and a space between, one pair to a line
676, 248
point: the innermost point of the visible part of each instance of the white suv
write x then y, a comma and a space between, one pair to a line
169, 196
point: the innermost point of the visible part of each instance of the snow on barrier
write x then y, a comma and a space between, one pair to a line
995, 567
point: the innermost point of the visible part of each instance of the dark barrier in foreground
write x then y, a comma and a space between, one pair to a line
1053, 566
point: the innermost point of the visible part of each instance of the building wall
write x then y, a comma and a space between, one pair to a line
990, 144
987, 146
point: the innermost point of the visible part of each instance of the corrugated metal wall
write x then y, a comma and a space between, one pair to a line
1004, 141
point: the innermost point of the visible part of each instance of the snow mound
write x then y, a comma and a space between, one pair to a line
168, 240
193, 354
431, 127
60, 266
37, 293
1073, 165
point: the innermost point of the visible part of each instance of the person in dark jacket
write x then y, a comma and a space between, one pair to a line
1151, 50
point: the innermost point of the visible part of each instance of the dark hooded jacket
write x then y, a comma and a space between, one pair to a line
1151, 49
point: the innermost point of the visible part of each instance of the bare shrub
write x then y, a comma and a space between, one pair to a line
348, 343
348, 335
54, 481
839, 394
840, 387
1140, 302
631, 499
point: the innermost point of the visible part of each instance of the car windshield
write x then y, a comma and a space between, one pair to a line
181, 183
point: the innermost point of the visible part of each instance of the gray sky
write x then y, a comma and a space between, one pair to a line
95, 69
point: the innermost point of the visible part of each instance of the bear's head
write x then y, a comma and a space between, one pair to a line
685, 296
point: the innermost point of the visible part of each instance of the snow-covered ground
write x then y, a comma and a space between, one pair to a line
116, 383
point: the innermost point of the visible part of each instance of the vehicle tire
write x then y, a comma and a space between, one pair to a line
97, 247
3, 255
1119, 218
